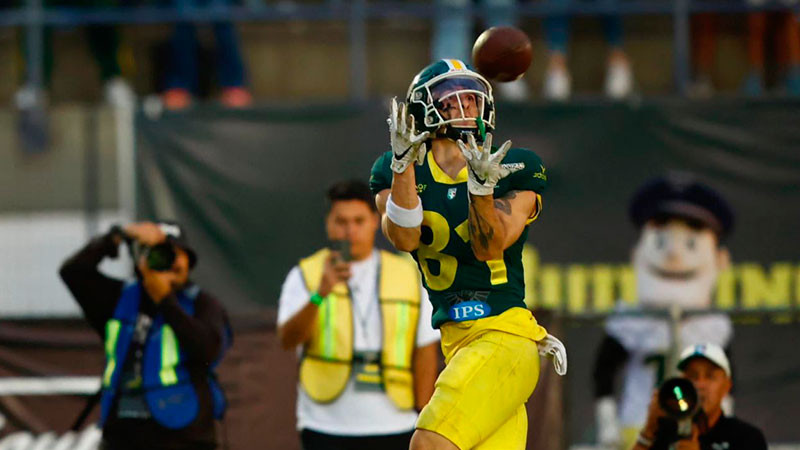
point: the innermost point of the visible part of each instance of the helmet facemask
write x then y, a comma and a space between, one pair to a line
455, 103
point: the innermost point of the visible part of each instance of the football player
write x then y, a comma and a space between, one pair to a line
462, 208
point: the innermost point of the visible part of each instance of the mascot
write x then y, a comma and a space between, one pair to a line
680, 252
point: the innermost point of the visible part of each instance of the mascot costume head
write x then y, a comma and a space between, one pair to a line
681, 250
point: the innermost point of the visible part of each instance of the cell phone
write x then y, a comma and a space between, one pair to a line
343, 247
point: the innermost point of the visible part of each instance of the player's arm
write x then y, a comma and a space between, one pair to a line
494, 224
405, 239
400, 206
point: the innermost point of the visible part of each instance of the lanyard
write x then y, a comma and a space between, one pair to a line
363, 319
140, 331
363, 316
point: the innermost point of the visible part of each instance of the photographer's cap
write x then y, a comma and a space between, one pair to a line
711, 352
176, 234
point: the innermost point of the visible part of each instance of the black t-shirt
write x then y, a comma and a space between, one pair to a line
729, 433
732, 433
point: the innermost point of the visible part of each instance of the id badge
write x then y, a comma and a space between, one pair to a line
367, 372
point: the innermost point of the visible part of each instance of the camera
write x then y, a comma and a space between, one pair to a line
160, 257
678, 398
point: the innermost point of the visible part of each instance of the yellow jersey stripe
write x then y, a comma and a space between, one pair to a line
497, 268
440, 176
538, 209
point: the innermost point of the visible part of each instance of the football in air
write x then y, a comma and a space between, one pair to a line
502, 53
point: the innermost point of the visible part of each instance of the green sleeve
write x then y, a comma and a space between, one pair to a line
533, 177
381, 176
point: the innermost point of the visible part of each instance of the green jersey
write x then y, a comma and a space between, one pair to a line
459, 285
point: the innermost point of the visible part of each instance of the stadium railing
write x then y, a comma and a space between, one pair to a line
33, 16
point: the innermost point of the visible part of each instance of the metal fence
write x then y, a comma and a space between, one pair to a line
34, 16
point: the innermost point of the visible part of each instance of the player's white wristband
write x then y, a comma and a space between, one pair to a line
402, 217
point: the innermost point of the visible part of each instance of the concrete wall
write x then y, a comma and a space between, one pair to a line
56, 179
32, 248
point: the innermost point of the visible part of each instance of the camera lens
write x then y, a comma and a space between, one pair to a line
678, 398
161, 257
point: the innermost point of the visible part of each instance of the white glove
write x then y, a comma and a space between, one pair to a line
608, 431
551, 348
407, 146
485, 169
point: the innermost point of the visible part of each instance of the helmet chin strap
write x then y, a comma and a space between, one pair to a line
455, 133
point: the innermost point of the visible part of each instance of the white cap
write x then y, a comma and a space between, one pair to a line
711, 352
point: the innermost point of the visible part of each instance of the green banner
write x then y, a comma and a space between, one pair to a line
250, 187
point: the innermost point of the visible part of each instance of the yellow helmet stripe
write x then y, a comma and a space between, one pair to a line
455, 64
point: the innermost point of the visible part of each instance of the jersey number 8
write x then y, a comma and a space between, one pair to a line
448, 264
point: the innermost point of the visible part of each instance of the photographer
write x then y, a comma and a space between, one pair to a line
709, 371
163, 337
359, 320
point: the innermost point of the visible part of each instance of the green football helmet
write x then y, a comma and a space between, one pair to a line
439, 94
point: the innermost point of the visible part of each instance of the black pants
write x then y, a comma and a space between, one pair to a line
319, 441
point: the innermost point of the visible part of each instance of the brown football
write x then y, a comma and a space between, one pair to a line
502, 53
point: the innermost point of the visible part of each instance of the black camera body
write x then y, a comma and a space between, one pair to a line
678, 398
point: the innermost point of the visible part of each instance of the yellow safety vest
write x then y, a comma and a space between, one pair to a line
328, 355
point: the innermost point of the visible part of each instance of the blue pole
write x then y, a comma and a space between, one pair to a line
358, 50
681, 48
34, 44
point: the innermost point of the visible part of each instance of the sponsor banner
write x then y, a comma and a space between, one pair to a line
595, 288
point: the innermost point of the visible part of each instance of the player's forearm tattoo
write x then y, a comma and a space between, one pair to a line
504, 204
479, 227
